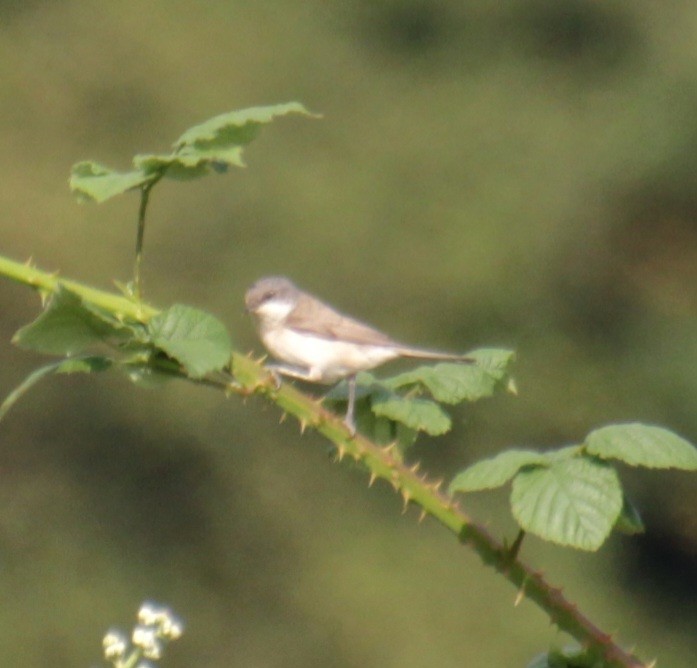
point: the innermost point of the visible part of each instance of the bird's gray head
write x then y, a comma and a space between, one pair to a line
271, 297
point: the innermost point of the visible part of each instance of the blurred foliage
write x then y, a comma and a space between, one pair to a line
517, 174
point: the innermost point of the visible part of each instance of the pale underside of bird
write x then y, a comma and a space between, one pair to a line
317, 343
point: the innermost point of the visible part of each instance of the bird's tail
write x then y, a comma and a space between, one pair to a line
420, 353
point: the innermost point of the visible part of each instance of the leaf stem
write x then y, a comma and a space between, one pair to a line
142, 210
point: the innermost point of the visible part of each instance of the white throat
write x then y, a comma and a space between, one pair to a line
274, 312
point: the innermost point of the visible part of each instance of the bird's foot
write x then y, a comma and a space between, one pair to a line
275, 377
350, 424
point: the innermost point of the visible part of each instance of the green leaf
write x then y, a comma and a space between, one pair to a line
380, 429
495, 472
567, 452
69, 366
419, 414
642, 445
453, 382
91, 181
495, 361
629, 521
214, 145
67, 326
236, 128
571, 656
197, 340
190, 165
573, 502
412, 413
404, 436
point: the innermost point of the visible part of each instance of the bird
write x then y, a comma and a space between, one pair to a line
316, 343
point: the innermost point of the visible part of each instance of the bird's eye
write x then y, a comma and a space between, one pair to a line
268, 295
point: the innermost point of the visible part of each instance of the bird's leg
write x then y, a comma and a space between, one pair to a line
349, 420
311, 375
278, 370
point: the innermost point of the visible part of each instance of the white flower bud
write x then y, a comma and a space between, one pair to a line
148, 613
144, 636
114, 644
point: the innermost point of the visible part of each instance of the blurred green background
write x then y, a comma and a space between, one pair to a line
513, 174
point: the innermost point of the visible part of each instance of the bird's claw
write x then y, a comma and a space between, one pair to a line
275, 377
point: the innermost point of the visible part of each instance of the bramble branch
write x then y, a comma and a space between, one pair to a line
247, 376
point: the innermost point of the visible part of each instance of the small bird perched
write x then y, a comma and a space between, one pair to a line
317, 343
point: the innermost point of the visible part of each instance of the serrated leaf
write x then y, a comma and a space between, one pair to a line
453, 382
183, 167
197, 340
629, 521
236, 127
92, 181
573, 502
567, 452
69, 366
214, 145
495, 472
379, 429
643, 445
218, 157
416, 413
497, 361
67, 326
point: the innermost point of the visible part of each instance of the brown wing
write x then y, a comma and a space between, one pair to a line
312, 316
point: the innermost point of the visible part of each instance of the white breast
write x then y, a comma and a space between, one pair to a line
325, 359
